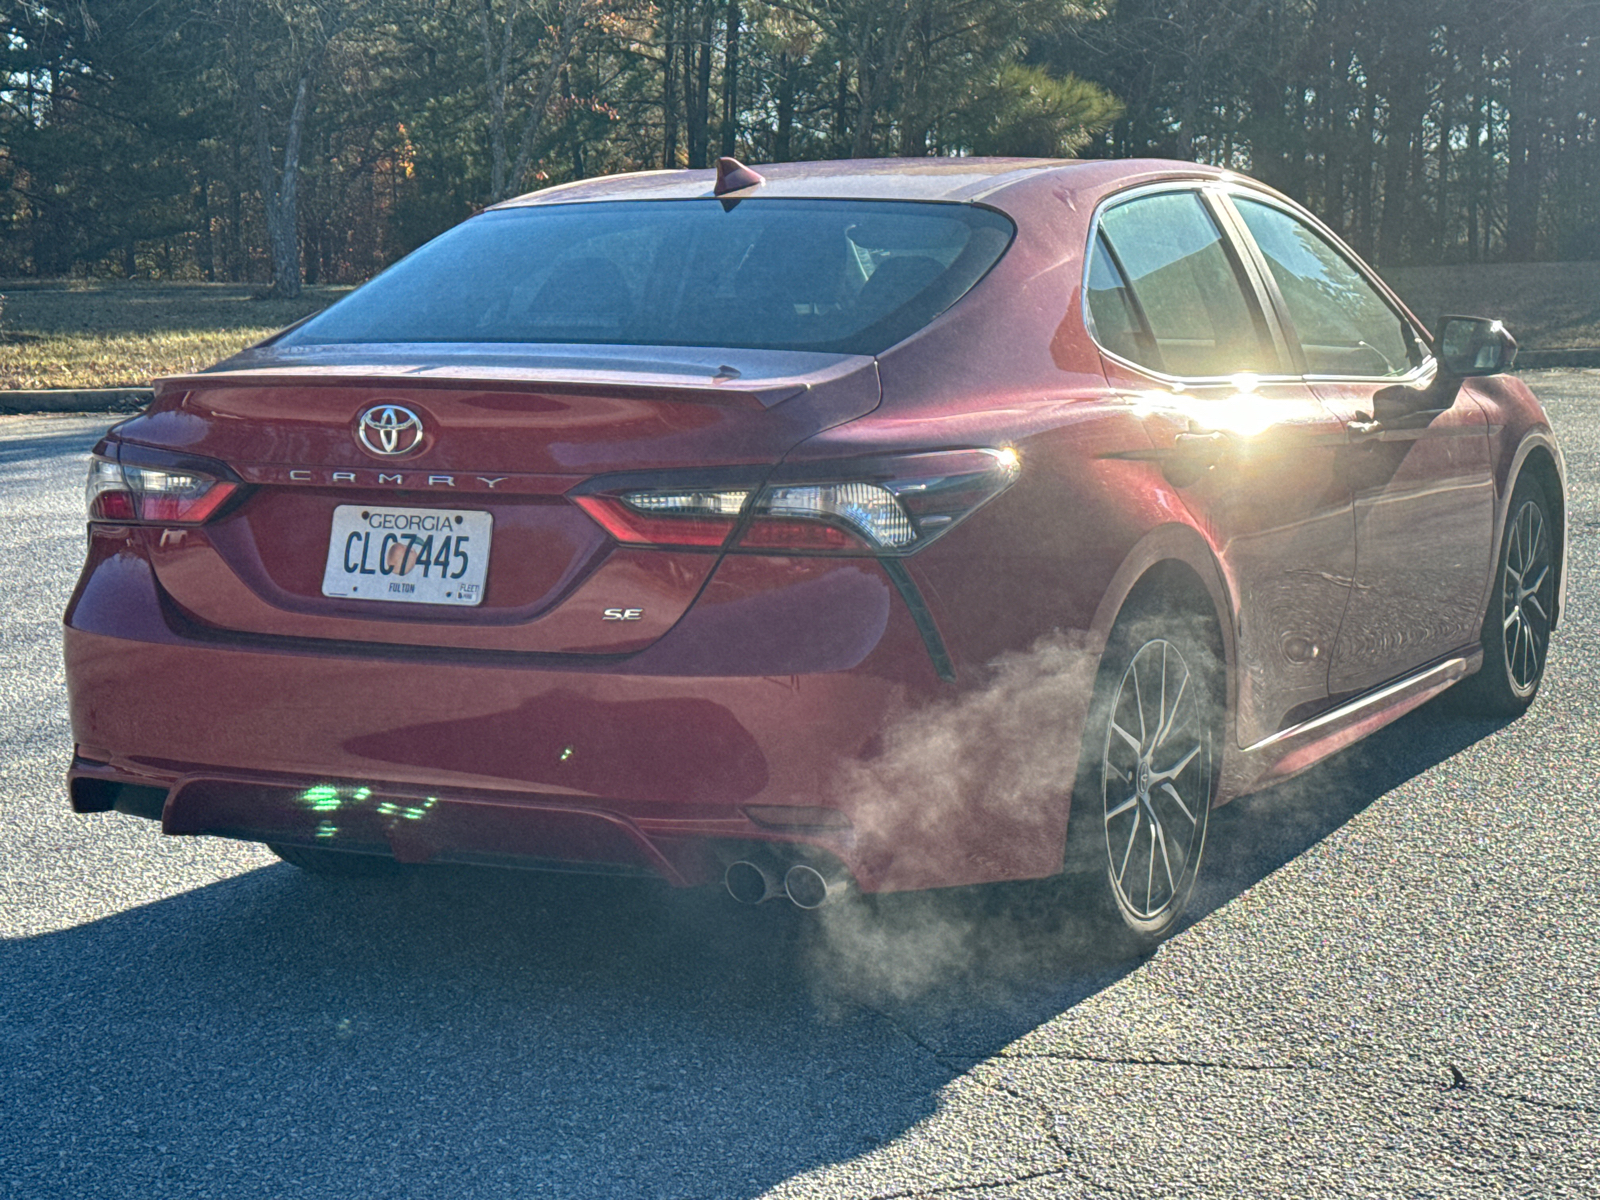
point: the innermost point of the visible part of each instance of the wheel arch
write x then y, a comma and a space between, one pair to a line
1173, 563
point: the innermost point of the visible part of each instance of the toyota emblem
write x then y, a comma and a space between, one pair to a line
389, 429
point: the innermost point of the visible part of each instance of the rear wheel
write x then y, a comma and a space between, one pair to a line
337, 864
1516, 631
1137, 829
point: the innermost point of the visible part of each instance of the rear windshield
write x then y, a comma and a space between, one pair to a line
845, 276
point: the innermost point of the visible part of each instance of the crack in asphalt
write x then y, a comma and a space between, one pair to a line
961, 1065
1549, 1105
1460, 1082
985, 1185
1124, 1061
965, 1063
1002, 1087
968, 1061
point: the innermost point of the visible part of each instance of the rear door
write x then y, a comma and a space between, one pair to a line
1245, 443
1422, 483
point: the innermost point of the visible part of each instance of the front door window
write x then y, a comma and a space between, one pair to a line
1345, 327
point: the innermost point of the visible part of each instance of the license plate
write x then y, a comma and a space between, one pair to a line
410, 555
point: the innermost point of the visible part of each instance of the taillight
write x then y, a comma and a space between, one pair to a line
150, 495
680, 517
830, 516
884, 506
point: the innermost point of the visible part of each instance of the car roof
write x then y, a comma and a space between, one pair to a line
1002, 182
947, 179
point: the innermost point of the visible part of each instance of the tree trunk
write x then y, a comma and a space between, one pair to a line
868, 78
574, 138
915, 116
567, 38
494, 79
700, 118
1298, 167
279, 189
206, 250
688, 88
783, 139
874, 71
730, 81
1364, 172
669, 88
841, 106
1523, 158
235, 244
861, 144
1328, 135
1332, 198
1396, 188
1474, 181
1188, 113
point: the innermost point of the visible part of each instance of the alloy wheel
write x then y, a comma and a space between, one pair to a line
1156, 784
1527, 596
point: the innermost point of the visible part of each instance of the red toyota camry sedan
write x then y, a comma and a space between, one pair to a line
895, 524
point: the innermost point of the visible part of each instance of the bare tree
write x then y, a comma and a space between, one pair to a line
512, 69
876, 34
278, 50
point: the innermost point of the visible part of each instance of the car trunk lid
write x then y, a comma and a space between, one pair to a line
504, 435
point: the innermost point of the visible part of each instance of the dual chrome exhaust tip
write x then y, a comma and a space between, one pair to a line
803, 885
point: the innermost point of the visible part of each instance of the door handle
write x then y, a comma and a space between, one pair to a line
1364, 428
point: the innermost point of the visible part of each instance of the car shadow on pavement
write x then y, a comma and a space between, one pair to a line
471, 1033
1252, 837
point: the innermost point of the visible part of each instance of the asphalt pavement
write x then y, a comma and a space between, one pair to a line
1391, 986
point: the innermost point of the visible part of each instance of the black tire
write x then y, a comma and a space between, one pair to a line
1516, 629
338, 864
1147, 766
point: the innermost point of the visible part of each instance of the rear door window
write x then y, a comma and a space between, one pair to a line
1165, 292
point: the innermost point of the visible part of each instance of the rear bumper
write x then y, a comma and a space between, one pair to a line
412, 824
641, 764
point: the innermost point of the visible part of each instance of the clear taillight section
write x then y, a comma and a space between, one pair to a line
869, 512
150, 495
891, 506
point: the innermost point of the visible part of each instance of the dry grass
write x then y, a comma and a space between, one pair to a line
123, 334
1547, 306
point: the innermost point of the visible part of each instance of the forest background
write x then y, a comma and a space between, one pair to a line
283, 142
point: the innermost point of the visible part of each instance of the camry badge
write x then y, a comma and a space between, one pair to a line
389, 429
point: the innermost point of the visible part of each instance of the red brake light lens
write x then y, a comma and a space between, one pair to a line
681, 517
798, 537
125, 493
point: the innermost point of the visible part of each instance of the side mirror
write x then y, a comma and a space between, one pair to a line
1468, 346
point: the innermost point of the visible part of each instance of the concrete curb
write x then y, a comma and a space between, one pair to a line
75, 400
131, 400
